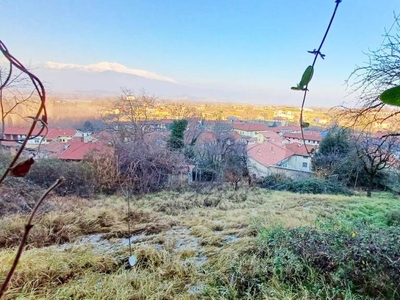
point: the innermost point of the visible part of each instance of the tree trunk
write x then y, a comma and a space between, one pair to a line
371, 182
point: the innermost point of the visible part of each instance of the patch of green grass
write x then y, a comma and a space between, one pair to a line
380, 210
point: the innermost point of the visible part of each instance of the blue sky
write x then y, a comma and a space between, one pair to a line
252, 47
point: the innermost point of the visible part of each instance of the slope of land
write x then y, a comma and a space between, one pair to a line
206, 244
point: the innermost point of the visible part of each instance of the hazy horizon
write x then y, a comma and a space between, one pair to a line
250, 51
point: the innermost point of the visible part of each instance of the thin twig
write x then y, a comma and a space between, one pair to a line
28, 227
41, 113
316, 54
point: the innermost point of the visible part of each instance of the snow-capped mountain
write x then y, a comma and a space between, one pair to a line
108, 66
107, 79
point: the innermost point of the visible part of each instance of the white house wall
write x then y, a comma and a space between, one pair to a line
259, 170
296, 162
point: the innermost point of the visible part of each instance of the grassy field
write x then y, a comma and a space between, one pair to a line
215, 244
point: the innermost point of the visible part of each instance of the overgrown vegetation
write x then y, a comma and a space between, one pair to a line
210, 244
79, 180
203, 241
305, 186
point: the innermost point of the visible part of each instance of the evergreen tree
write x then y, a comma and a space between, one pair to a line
336, 156
176, 141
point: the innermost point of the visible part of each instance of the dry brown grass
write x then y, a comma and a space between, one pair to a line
42, 270
71, 217
181, 238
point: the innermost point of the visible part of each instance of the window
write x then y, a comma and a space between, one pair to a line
304, 165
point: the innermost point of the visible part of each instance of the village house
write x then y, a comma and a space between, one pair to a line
310, 137
284, 129
301, 158
39, 136
61, 135
269, 136
249, 129
268, 158
272, 152
14, 136
76, 149
263, 156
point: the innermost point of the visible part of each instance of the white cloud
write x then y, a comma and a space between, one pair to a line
108, 66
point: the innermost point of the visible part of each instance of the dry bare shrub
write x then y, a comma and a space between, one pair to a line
78, 178
104, 170
144, 166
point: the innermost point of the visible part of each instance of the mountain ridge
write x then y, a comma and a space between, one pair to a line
108, 66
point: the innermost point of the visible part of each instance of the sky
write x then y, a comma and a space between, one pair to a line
257, 48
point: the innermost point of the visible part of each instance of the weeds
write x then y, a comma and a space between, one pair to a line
285, 246
42, 270
304, 186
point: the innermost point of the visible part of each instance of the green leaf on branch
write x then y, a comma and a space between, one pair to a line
391, 96
305, 79
305, 124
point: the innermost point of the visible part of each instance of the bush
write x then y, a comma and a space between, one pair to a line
393, 218
365, 260
78, 178
305, 186
388, 180
103, 167
274, 180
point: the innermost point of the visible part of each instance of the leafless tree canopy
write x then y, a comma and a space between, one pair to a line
380, 72
180, 110
130, 114
17, 98
144, 167
376, 155
222, 157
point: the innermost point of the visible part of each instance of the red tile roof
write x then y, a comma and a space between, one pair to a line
268, 153
53, 149
50, 133
271, 136
236, 136
22, 130
56, 132
250, 126
292, 128
206, 137
299, 148
78, 149
158, 137
308, 135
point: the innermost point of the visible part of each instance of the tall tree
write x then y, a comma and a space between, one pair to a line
375, 155
129, 115
220, 156
336, 156
178, 128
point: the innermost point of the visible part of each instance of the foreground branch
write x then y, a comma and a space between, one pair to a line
28, 228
